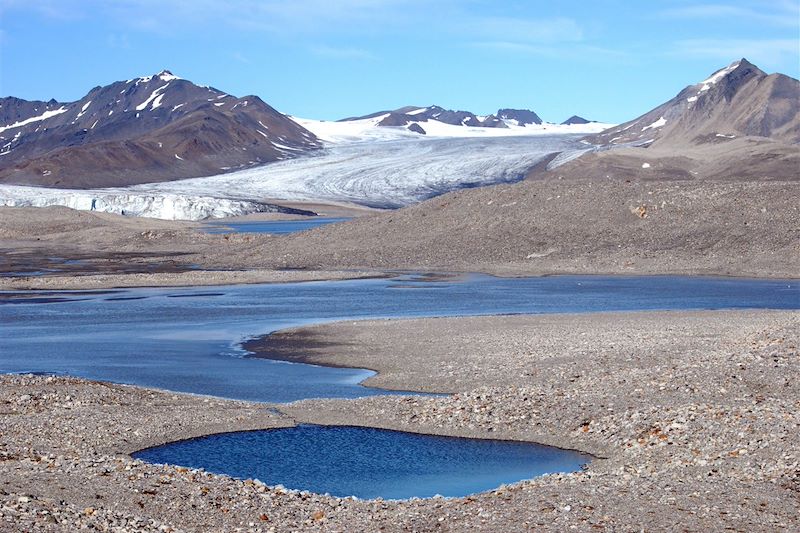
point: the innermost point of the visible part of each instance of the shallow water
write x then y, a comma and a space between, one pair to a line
187, 339
274, 227
367, 462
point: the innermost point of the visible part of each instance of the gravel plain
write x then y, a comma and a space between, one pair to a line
694, 418
536, 227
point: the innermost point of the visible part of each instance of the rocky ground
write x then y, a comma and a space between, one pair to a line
694, 417
59, 248
536, 227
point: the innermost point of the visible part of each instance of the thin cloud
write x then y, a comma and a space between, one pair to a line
47, 8
511, 30
241, 58
774, 13
276, 16
575, 51
334, 52
771, 53
551, 38
120, 41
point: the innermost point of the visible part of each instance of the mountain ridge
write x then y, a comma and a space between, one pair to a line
416, 117
147, 129
735, 101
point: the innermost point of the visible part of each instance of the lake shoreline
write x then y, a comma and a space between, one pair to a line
211, 278
616, 386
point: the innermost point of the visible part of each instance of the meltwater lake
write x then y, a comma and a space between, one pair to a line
188, 339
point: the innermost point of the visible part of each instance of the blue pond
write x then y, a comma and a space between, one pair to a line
187, 339
367, 462
275, 227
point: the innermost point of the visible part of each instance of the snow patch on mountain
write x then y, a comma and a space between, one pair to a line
718, 75
706, 84
166, 75
154, 98
657, 124
43, 116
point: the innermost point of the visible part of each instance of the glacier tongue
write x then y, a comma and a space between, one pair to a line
163, 206
388, 174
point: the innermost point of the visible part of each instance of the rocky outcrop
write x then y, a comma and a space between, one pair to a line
575, 119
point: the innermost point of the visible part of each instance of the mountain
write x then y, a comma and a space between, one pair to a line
521, 117
738, 124
736, 101
575, 119
149, 129
406, 116
414, 118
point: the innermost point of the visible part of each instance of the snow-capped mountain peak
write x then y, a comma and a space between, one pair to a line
718, 75
166, 75
737, 100
143, 129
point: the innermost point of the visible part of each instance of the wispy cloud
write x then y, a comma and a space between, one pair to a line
241, 58
117, 40
771, 53
334, 52
551, 38
514, 30
577, 51
53, 9
453, 21
277, 16
774, 12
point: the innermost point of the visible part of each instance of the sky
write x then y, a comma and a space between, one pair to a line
606, 60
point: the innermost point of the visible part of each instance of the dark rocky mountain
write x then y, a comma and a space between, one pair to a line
406, 115
413, 118
575, 119
416, 128
736, 101
738, 124
521, 116
155, 128
409, 115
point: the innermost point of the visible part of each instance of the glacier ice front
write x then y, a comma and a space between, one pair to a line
164, 206
385, 174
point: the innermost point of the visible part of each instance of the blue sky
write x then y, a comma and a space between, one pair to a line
607, 60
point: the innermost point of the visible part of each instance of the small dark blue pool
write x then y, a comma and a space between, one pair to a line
367, 462
275, 227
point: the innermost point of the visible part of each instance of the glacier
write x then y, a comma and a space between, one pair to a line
388, 172
121, 202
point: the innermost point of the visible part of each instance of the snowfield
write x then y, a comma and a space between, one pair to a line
368, 130
362, 164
